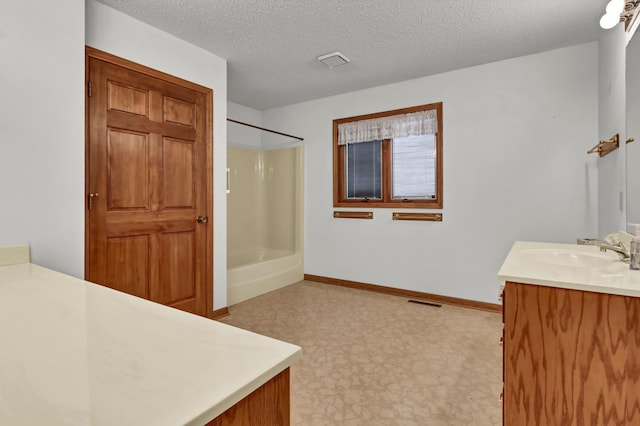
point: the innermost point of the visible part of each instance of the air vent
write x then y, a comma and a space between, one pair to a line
332, 60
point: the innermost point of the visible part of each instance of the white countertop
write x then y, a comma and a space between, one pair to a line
76, 353
606, 274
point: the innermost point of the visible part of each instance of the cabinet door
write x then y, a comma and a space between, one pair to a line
570, 357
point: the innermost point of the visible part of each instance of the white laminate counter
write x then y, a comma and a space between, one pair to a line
76, 353
607, 274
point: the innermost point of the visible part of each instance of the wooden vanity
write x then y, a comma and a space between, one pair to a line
571, 337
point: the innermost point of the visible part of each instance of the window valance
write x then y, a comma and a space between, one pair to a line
394, 126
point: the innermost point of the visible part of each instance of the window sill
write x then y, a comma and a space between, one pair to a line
411, 204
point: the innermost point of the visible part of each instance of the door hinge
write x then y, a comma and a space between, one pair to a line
89, 88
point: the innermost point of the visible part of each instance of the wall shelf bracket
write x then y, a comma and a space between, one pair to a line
605, 147
428, 217
353, 215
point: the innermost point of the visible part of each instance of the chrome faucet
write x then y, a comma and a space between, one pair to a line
619, 248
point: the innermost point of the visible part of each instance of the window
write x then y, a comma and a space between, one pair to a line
364, 170
389, 159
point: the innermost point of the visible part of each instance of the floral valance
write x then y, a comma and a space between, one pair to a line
394, 126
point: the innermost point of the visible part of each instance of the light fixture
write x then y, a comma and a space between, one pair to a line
620, 11
615, 7
609, 20
612, 16
334, 59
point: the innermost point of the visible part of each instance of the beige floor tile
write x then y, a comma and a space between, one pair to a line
374, 359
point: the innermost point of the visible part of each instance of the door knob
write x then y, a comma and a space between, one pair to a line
202, 219
90, 197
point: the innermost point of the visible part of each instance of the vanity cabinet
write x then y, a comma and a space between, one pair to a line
123, 360
571, 357
269, 405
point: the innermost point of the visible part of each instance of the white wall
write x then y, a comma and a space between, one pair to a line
515, 168
249, 137
612, 120
121, 35
243, 136
42, 130
633, 129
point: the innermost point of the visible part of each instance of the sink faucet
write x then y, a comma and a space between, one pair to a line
619, 248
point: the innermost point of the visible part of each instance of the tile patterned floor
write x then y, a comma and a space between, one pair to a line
374, 359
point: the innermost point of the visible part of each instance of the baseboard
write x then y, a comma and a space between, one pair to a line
445, 300
219, 313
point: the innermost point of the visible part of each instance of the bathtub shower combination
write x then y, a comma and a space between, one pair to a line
264, 220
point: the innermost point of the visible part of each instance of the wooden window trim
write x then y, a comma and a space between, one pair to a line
339, 199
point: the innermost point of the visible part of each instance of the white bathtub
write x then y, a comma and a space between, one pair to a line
257, 271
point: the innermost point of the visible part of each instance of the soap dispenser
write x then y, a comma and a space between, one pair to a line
634, 250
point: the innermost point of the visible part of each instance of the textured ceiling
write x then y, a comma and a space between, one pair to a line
271, 45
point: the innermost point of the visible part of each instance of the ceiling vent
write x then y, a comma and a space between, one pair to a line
332, 60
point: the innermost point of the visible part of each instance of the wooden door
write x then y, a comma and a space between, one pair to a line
148, 169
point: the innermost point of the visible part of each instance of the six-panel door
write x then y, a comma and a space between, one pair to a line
147, 165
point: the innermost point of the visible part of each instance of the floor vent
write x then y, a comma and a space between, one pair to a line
420, 302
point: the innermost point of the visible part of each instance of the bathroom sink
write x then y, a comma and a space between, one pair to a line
561, 257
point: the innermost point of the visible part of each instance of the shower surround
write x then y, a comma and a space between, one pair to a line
264, 221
